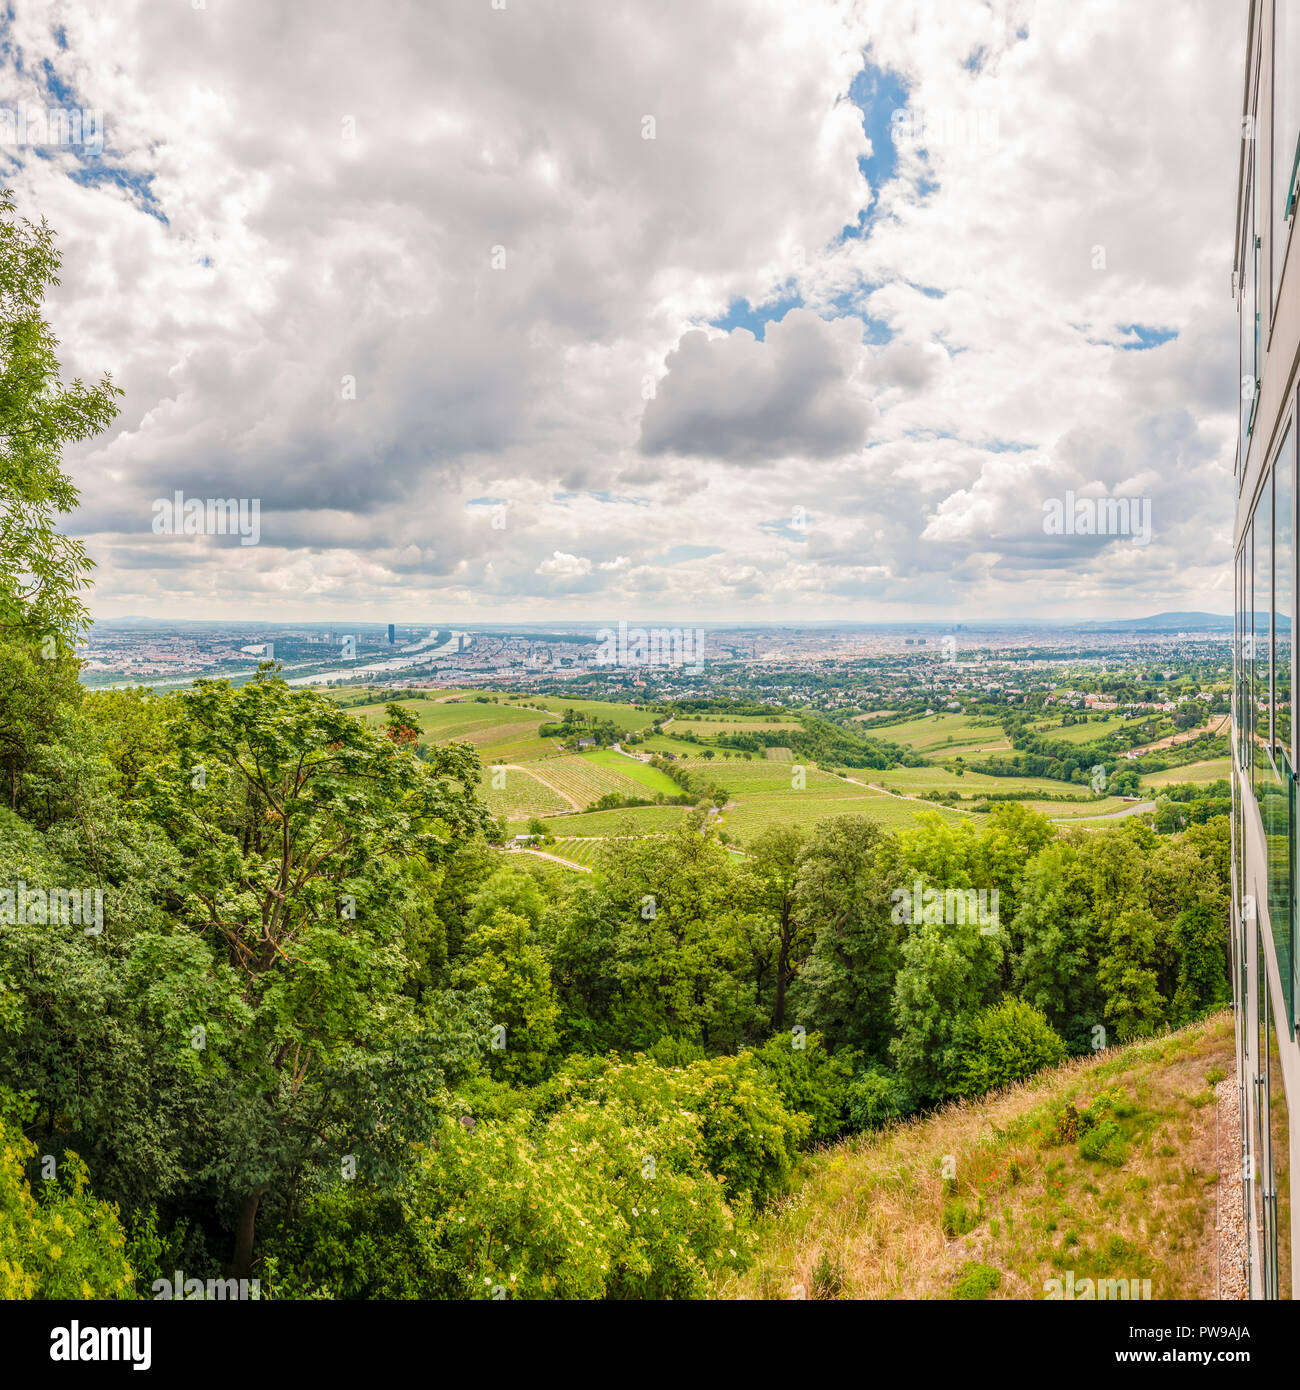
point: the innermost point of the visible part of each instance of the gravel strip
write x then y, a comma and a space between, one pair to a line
1230, 1220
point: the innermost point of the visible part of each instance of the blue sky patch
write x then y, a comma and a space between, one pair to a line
742, 315
1146, 337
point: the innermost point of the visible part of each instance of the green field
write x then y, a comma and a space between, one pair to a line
578, 851
650, 778
666, 743
946, 734
1089, 732
749, 816
763, 789
518, 750
579, 777
1212, 770
1068, 810
762, 774
707, 726
504, 725
631, 717
913, 780
443, 721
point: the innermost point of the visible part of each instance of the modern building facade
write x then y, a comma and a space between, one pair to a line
1266, 974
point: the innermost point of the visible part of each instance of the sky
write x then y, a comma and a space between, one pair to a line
703, 310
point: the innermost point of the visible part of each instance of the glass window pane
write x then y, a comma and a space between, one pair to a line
1260, 646
1248, 315
1283, 565
1286, 125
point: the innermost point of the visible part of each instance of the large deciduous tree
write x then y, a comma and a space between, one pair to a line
294, 820
41, 570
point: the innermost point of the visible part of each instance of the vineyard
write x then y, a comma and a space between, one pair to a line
639, 820
522, 796
586, 781
578, 851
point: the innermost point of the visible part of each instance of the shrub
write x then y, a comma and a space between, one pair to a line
64, 1244
1095, 1127
746, 1136
875, 1097
809, 1080
1103, 1143
1008, 1042
669, 1051
977, 1281
608, 1199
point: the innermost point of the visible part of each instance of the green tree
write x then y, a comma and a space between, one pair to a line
517, 980
1006, 1043
1128, 973
287, 813
674, 952
950, 971
1055, 940
508, 890
767, 881
846, 877
35, 694
63, 1244
41, 571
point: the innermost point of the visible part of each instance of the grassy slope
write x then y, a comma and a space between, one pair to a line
1212, 770
872, 1217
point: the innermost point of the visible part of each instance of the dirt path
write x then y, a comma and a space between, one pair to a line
537, 777
541, 854
554, 858
1175, 740
1137, 808
902, 796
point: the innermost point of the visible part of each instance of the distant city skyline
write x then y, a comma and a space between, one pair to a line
709, 311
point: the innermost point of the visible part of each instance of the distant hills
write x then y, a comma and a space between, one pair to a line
1164, 622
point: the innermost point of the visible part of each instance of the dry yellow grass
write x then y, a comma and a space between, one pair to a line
875, 1217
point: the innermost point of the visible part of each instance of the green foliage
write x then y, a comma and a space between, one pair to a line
746, 1136
875, 1098
669, 899
632, 1182
1096, 1128
809, 1080
517, 981
36, 693
41, 570
949, 973
842, 902
1129, 977
977, 1281
575, 1209
1006, 1043
1103, 1143
62, 1244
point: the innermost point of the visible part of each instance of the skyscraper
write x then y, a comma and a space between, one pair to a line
392, 633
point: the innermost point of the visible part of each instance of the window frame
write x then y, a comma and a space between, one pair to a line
1280, 245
